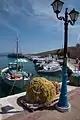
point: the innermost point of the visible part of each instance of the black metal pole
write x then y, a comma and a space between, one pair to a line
63, 104
65, 37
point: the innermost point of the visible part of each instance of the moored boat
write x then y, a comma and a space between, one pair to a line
49, 68
14, 75
21, 60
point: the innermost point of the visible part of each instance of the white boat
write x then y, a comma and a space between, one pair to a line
21, 60
14, 75
52, 67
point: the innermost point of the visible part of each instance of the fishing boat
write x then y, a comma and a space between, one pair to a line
14, 75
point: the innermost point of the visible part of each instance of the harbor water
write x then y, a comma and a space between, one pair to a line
6, 90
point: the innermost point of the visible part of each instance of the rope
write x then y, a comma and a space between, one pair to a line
12, 88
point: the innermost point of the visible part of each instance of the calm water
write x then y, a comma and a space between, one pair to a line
5, 89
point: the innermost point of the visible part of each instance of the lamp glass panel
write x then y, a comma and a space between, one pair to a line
74, 15
57, 5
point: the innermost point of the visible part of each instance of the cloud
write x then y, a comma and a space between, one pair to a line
38, 11
5, 23
35, 10
16, 7
44, 15
10, 8
42, 10
74, 33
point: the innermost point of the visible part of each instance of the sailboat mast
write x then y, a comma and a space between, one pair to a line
17, 49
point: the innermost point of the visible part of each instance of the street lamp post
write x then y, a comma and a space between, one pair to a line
57, 5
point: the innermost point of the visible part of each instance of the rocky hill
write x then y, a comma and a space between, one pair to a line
73, 52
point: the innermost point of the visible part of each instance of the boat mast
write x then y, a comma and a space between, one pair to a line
17, 49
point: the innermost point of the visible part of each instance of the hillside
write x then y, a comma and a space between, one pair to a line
73, 52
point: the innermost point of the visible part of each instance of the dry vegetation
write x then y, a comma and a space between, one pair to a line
73, 52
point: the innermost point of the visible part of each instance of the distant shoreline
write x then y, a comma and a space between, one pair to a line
72, 52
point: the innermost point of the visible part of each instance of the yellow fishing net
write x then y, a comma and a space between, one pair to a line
40, 90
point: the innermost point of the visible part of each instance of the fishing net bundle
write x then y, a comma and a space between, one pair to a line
41, 91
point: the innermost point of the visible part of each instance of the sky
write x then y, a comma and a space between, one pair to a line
36, 26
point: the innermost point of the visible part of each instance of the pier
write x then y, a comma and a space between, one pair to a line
9, 106
51, 113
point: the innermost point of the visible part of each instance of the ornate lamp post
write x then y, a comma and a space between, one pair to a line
57, 5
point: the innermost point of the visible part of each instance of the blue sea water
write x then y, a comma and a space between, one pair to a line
5, 89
